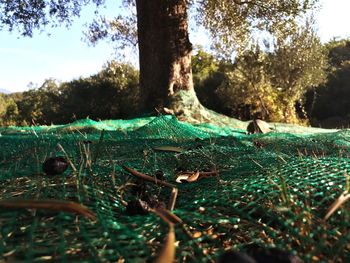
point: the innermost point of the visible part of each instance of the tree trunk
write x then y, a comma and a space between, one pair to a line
165, 57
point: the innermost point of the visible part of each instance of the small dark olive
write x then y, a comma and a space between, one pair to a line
159, 175
137, 207
55, 165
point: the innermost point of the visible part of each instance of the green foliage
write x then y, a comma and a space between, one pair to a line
297, 65
26, 16
39, 106
8, 110
122, 30
208, 74
264, 83
2, 104
329, 105
233, 23
11, 114
110, 94
258, 82
203, 65
230, 23
247, 90
338, 53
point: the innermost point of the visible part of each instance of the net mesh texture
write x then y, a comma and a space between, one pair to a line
272, 189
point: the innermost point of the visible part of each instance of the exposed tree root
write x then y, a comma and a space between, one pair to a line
186, 107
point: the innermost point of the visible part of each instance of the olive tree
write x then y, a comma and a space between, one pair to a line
163, 36
270, 83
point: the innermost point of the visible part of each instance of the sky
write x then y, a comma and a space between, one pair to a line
60, 53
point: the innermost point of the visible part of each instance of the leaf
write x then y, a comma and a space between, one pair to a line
182, 177
188, 177
167, 253
191, 177
147, 177
169, 149
194, 177
48, 204
172, 199
167, 216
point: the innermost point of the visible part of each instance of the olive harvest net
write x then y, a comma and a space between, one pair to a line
272, 189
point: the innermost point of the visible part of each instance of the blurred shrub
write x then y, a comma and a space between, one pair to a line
329, 105
110, 94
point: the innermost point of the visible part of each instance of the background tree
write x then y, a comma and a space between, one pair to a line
8, 110
265, 82
3, 104
39, 105
112, 93
165, 49
11, 114
208, 75
31, 107
247, 90
329, 105
297, 65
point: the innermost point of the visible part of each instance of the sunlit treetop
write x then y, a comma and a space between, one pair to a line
230, 23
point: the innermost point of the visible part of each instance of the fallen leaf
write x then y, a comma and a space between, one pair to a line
182, 177
147, 177
168, 149
188, 177
197, 234
167, 216
48, 204
167, 253
194, 177
191, 177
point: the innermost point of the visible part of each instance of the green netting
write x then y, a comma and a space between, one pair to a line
273, 190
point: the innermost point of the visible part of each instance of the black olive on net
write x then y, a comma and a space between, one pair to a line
160, 175
137, 207
155, 202
140, 189
55, 165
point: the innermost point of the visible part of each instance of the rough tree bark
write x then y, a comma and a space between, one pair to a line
165, 58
